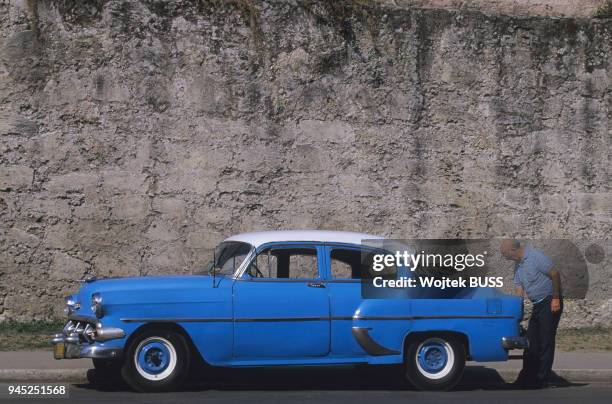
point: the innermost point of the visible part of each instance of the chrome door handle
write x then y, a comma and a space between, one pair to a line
316, 285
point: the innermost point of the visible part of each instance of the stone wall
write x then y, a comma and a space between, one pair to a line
136, 135
556, 8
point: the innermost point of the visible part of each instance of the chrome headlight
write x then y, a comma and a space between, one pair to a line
71, 305
96, 305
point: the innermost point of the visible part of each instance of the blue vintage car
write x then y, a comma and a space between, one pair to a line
279, 299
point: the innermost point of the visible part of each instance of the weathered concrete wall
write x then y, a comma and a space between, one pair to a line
136, 135
556, 8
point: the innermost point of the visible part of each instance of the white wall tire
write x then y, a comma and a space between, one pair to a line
434, 362
156, 360
446, 351
169, 351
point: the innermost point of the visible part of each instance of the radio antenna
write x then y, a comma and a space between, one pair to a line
214, 266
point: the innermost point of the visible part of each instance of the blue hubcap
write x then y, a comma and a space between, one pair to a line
432, 357
153, 357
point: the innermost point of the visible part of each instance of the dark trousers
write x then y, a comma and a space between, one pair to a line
541, 333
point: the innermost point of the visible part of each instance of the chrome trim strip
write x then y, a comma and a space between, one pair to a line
280, 319
283, 319
363, 338
223, 320
177, 320
427, 317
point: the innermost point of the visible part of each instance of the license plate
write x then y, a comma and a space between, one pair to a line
59, 350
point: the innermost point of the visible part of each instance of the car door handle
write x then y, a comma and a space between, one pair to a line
316, 285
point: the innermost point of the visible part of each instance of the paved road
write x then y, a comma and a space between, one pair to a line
44, 360
339, 385
590, 394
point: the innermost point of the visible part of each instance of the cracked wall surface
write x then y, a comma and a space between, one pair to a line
553, 8
136, 135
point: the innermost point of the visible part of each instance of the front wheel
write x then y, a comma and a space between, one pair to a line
435, 363
156, 360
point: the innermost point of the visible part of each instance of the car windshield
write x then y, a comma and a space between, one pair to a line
228, 257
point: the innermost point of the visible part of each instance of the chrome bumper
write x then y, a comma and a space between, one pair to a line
515, 343
78, 338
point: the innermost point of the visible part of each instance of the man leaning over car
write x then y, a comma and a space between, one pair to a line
535, 276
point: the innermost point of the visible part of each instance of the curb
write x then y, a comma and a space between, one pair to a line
43, 375
80, 375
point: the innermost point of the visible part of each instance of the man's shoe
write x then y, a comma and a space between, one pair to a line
528, 385
524, 385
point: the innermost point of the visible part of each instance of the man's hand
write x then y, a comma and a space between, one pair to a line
519, 291
555, 305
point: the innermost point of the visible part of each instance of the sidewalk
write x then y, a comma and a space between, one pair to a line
36, 366
39, 360
563, 360
575, 367
24, 366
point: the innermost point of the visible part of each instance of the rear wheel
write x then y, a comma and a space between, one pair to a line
156, 360
435, 362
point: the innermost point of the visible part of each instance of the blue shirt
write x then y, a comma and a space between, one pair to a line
532, 273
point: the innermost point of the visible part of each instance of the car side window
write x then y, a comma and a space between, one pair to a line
285, 263
347, 263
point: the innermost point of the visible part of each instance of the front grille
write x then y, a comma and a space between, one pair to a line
84, 331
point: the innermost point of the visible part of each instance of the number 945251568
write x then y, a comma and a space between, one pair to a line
34, 390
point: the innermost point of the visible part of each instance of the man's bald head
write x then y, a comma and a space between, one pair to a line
511, 249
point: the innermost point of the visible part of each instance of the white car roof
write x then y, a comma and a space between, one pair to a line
258, 238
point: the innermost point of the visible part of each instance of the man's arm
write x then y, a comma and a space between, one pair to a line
556, 282
547, 268
555, 304
518, 286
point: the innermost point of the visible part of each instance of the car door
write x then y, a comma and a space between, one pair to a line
281, 306
346, 265
344, 288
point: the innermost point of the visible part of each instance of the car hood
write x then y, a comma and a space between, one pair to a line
149, 290
148, 282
